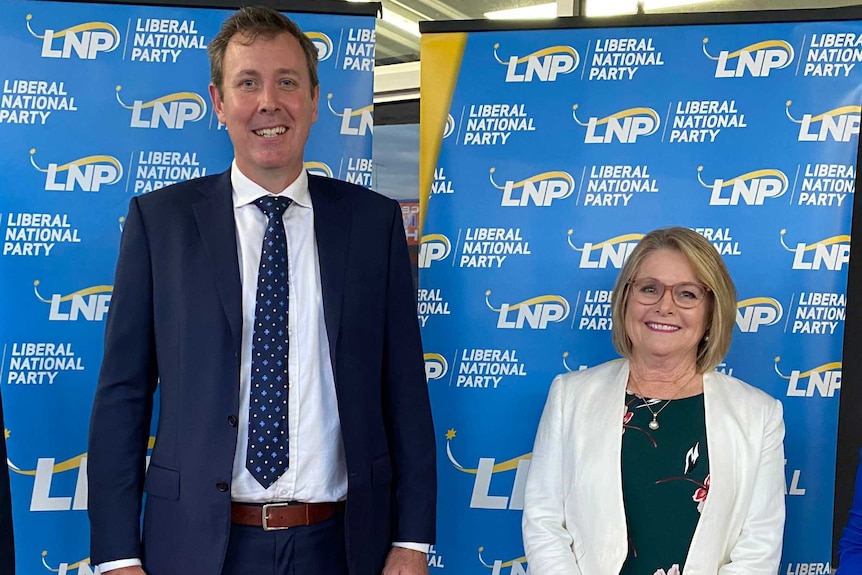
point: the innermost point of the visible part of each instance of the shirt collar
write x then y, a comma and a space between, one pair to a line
246, 191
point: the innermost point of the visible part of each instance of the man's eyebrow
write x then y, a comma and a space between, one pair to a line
279, 71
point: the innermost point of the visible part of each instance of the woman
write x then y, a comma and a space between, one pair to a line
621, 479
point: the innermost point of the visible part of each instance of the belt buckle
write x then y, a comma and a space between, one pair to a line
265, 511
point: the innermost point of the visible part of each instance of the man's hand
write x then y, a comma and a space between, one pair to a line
133, 570
403, 561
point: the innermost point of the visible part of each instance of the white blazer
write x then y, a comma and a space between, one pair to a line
574, 522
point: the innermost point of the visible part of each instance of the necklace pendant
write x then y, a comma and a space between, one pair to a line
653, 424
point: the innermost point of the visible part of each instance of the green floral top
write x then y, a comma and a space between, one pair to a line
665, 481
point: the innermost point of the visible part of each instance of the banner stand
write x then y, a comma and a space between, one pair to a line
101, 103
548, 150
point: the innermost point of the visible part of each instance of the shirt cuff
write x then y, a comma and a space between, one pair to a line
110, 565
421, 547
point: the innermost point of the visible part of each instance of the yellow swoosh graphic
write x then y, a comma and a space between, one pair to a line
761, 46
71, 463
758, 300
825, 367
500, 467
541, 299
88, 291
619, 240
549, 51
174, 98
435, 237
87, 26
91, 160
754, 175
828, 242
838, 112
542, 177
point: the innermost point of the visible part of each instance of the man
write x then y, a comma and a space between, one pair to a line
276, 312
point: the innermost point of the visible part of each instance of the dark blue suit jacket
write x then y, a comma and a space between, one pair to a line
850, 545
175, 320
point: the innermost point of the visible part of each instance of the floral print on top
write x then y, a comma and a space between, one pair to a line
665, 481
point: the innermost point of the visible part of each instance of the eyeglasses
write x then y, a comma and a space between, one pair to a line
687, 295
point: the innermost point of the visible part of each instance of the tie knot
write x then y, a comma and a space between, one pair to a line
272, 206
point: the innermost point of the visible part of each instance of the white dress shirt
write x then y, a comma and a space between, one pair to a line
317, 471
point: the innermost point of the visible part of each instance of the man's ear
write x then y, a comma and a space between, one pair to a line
218, 105
315, 98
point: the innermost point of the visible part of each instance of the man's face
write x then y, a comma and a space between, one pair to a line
268, 106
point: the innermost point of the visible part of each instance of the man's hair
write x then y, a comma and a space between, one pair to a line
710, 271
244, 26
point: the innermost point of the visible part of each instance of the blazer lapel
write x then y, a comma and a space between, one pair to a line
608, 427
726, 454
331, 230
598, 443
217, 227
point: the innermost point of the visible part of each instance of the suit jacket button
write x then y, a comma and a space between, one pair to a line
221, 486
232, 420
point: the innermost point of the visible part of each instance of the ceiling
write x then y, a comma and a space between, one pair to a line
395, 45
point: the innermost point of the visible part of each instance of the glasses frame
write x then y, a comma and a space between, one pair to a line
664, 287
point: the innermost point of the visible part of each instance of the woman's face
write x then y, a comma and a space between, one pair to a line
663, 330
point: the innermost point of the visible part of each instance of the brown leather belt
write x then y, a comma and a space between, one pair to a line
272, 516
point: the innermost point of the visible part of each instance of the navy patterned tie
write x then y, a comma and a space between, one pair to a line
267, 457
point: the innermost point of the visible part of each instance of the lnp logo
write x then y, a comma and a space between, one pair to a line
90, 303
626, 126
839, 124
172, 110
450, 126
757, 312
825, 379
614, 251
86, 40
318, 169
752, 187
540, 190
832, 253
758, 59
481, 497
497, 566
544, 65
536, 312
436, 366
83, 567
88, 174
43, 476
433, 248
323, 44
365, 115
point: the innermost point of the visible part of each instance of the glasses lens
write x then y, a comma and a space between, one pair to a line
647, 290
688, 295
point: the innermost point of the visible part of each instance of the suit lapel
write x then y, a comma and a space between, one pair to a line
331, 230
217, 228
